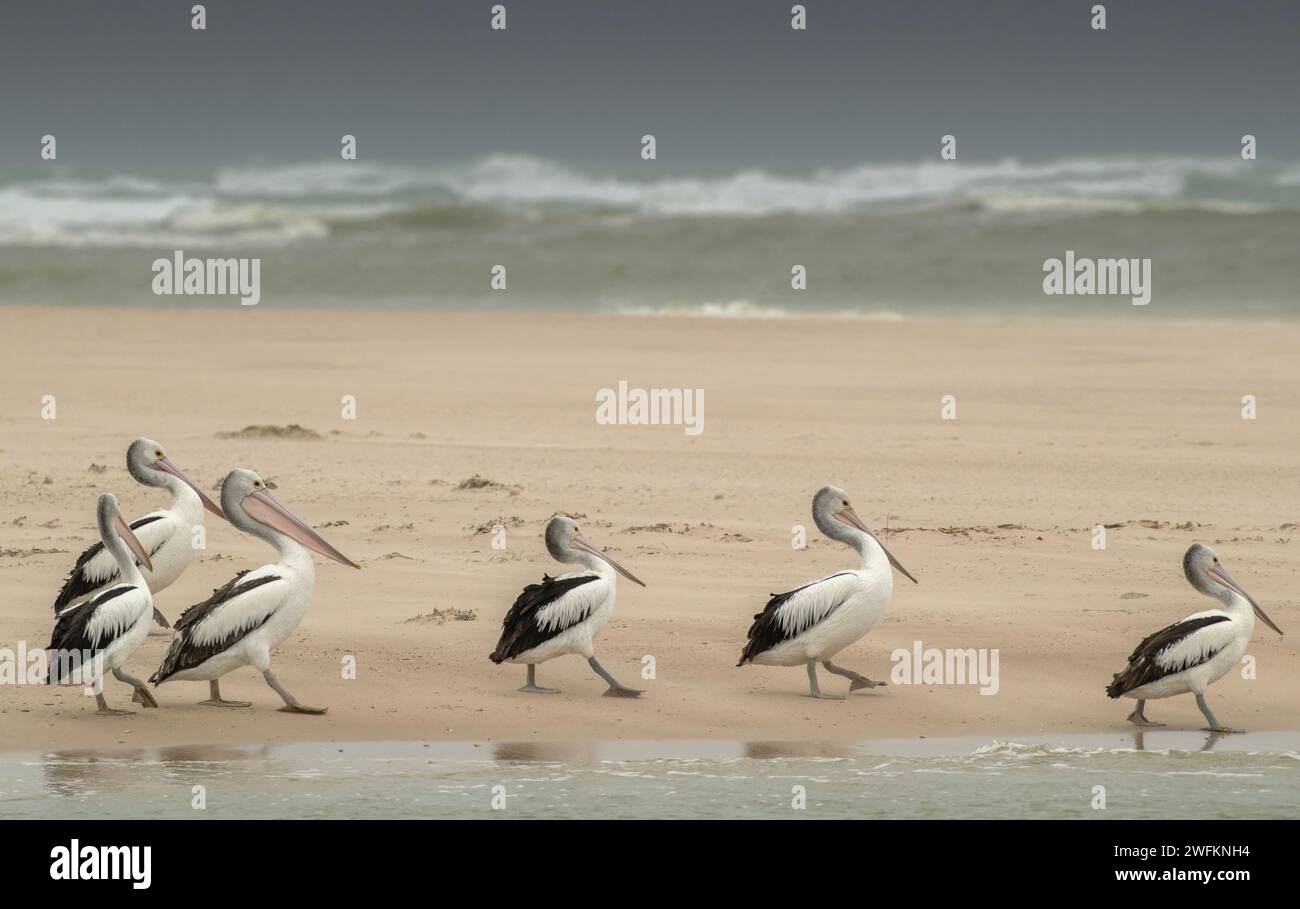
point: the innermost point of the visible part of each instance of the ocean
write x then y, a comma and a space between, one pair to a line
1163, 774
878, 241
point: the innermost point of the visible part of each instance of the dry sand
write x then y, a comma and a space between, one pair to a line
1061, 425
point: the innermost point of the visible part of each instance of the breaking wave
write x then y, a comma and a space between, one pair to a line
311, 201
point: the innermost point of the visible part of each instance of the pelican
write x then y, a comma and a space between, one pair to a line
168, 534
563, 614
812, 623
256, 610
1190, 655
108, 627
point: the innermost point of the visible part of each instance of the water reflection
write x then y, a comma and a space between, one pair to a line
79, 772
1211, 739
952, 778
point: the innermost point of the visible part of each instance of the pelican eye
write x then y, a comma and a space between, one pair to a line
158, 455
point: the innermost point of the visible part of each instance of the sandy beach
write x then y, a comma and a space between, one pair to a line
1134, 423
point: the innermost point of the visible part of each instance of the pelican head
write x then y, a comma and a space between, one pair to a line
1209, 576
148, 464
836, 518
115, 532
566, 543
250, 506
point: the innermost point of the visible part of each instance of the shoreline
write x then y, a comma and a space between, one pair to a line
1120, 314
1156, 741
1061, 425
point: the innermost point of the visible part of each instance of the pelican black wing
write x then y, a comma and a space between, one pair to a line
71, 629
78, 583
1143, 667
519, 631
768, 630
183, 654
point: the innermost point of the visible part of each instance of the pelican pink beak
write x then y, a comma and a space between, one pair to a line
1220, 574
850, 517
167, 466
263, 507
132, 542
581, 542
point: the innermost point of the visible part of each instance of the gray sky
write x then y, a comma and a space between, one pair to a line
723, 84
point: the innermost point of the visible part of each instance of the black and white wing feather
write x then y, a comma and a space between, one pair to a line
95, 567
1180, 646
788, 615
221, 621
544, 611
92, 626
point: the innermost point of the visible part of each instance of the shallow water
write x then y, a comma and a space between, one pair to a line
1156, 775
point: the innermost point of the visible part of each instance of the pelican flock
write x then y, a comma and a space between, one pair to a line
563, 614
105, 607
242, 622
1194, 653
812, 623
102, 632
167, 534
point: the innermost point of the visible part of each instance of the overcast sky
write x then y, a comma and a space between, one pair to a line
723, 84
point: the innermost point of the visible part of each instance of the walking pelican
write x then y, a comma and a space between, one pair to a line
1192, 654
256, 610
167, 534
110, 625
812, 623
563, 614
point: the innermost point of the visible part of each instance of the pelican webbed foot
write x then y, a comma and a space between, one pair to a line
141, 695
532, 687
1214, 726
622, 691
815, 690
616, 688
1138, 718
105, 710
856, 681
144, 697
291, 704
303, 708
216, 700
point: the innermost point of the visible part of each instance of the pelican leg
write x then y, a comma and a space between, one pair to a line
216, 700
291, 704
856, 681
616, 688
531, 687
1214, 724
142, 696
105, 710
1137, 718
814, 690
